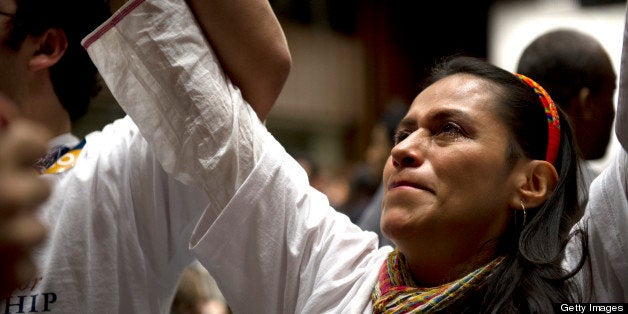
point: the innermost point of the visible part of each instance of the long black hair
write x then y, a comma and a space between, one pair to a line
74, 77
531, 277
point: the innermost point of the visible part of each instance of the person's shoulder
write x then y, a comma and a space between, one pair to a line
119, 138
119, 127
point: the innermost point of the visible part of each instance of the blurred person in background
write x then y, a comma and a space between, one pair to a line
198, 293
577, 71
362, 183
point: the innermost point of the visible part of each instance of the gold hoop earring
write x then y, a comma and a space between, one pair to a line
524, 213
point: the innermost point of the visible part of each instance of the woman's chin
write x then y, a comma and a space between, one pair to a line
396, 224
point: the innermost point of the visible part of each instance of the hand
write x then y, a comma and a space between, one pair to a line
22, 190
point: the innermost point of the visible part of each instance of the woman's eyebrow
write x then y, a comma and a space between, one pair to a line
407, 123
437, 115
445, 114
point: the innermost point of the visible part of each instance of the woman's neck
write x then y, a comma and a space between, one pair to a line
434, 269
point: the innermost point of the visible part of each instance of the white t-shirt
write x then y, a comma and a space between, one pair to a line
272, 242
604, 277
118, 228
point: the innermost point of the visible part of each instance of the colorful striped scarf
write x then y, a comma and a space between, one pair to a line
395, 291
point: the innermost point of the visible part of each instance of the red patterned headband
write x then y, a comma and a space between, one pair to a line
553, 122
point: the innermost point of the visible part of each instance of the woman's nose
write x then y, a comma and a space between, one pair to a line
409, 152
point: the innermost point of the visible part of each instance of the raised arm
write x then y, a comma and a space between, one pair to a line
159, 67
250, 45
161, 70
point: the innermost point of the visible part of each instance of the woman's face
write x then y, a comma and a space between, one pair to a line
448, 186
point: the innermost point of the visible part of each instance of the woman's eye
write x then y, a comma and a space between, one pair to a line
452, 129
400, 136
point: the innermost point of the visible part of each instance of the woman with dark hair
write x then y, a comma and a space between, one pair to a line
534, 170
481, 189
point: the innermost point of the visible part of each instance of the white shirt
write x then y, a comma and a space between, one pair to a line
272, 242
118, 228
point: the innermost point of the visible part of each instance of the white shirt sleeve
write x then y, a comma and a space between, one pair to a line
271, 241
170, 82
604, 277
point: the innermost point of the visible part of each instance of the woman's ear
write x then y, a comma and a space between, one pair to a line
51, 46
538, 181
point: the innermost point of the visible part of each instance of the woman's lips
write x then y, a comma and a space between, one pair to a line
408, 184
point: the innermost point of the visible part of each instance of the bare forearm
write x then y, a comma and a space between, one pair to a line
250, 45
